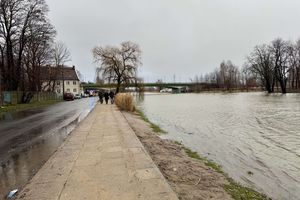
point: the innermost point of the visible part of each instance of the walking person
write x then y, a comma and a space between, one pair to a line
106, 97
112, 97
100, 94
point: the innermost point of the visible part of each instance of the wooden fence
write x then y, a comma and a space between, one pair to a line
15, 97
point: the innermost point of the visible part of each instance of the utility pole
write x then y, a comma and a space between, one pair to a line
1, 88
63, 79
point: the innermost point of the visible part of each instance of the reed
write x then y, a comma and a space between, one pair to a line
125, 102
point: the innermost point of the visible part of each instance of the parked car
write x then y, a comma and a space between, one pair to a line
85, 95
68, 96
166, 90
77, 96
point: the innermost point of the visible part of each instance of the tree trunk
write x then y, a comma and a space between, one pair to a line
269, 87
118, 85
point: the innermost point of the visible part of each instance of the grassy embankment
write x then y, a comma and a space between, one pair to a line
154, 127
22, 107
125, 102
236, 190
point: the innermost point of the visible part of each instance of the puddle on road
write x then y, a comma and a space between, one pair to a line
29, 138
21, 167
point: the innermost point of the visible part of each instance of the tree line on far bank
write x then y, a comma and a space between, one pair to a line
227, 77
27, 43
277, 63
271, 66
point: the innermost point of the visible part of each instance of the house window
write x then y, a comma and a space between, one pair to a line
68, 82
58, 91
74, 83
74, 90
68, 90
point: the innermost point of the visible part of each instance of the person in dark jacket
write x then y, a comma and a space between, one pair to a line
106, 97
112, 97
100, 94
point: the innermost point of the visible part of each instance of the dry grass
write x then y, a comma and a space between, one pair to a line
125, 102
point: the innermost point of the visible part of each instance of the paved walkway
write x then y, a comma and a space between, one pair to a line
102, 159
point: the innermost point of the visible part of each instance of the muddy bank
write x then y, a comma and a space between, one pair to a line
188, 177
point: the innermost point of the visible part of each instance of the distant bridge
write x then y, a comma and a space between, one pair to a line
91, 86
175, 87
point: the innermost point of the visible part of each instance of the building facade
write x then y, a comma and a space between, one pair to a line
61, 80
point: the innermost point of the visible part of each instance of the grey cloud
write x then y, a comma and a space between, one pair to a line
182, 37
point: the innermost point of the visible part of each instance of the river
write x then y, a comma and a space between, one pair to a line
243, 132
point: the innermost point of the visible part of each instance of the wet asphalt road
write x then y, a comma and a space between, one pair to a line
28, 138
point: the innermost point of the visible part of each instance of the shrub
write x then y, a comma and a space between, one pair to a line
125, 102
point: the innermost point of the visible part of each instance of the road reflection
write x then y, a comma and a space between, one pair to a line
29, 138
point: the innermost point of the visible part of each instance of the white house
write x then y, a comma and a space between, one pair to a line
56, 79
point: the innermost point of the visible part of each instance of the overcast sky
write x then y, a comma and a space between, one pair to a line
181, 37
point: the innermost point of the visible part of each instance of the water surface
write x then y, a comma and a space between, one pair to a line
244, 132
28, 138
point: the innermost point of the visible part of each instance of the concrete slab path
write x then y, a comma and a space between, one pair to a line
102, 159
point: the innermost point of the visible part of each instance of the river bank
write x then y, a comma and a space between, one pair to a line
253, 136
190, 176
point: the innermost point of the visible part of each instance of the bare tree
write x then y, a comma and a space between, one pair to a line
280, 53
37, 52
22, 24
60, 55
294, 65
260, 63
10, 23
228, 75
248, 78
16, 18
119, 64
98, 75
297, 70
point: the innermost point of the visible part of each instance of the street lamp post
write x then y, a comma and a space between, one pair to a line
0, 88
63, 80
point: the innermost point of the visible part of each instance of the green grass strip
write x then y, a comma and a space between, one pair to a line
28, 106
156, 128
235, 189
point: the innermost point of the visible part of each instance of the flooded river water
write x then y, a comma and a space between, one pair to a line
243, 132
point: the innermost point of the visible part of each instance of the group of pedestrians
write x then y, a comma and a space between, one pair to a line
106, 95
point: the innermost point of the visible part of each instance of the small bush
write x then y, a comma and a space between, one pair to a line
125, 102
